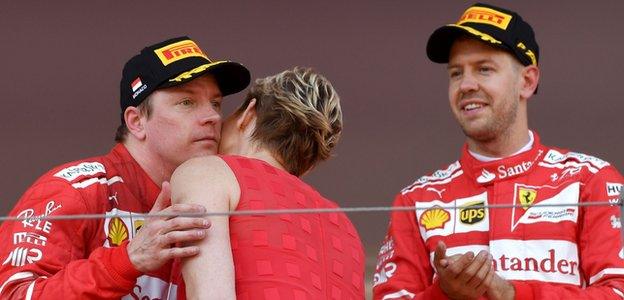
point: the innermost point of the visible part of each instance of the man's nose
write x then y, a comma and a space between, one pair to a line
209, 115
468, 83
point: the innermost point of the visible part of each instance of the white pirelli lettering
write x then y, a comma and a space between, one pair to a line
607, 271
91, 181
398, 295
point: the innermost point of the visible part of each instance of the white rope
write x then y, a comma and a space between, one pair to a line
296, 211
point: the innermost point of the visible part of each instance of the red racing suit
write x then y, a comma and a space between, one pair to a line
548, 252
83, 258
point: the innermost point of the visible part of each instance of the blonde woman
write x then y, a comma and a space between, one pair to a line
288, 124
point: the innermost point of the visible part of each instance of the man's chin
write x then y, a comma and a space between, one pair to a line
479, 134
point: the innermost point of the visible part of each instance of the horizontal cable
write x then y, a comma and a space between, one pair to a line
297, 211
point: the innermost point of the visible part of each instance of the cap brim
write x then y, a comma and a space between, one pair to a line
441, 41
231, 77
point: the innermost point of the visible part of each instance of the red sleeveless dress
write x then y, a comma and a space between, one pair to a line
291, 256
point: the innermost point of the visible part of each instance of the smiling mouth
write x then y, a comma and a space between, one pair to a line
473, 106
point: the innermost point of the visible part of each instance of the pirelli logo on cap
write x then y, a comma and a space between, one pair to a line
177, 51
487, 16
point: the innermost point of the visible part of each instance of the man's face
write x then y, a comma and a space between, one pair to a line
484, 87
185, 121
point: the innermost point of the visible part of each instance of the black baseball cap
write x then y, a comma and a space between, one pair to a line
493, 25
174, 62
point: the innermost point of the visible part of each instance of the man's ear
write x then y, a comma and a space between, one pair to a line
135, 122
248, 116
530, 79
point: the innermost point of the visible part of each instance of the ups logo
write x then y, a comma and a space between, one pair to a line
472, 213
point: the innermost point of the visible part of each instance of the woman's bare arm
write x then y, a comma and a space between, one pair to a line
208, 181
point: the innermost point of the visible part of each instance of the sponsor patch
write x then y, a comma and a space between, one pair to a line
177, 51
36, 222
82, 169
117, 232
136, 84
472, 213
21, 256
545, 195
136, 226
438, 177
434, 218
150, 287
542, 260
526, 197
485, 176
29, 238
487, 16
614, 189
384, 273
555, 157
468, 217
117, 224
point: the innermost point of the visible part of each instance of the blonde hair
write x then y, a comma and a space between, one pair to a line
299, 118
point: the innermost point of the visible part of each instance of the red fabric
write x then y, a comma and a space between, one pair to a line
547, 253
79, 259
291, 256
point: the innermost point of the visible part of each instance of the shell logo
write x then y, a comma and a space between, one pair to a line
434, 218
117, 231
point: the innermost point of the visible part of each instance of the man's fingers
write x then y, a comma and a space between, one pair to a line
164, 198
471, 268
481, 271
182, 237
439, 255
179, 223
180, 252
460, 264
488, 280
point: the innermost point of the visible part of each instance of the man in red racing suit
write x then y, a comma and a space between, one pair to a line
170, 103
544, 242
547, 252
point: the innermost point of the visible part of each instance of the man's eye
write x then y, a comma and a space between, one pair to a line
185, 102
485, 69
216, 104
454, 74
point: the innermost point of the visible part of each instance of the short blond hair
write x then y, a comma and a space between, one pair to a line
299, 118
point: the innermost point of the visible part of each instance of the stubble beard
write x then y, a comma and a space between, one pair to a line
494, 128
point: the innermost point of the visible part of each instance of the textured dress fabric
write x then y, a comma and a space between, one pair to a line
291, 256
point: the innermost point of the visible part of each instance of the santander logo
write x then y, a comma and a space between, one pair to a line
548, 264
485, 176
544, 260
503, 172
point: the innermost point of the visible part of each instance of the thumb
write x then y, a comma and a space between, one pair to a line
164, 198
439, 256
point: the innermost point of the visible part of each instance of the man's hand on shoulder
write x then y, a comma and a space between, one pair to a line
464, 276
164, 238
